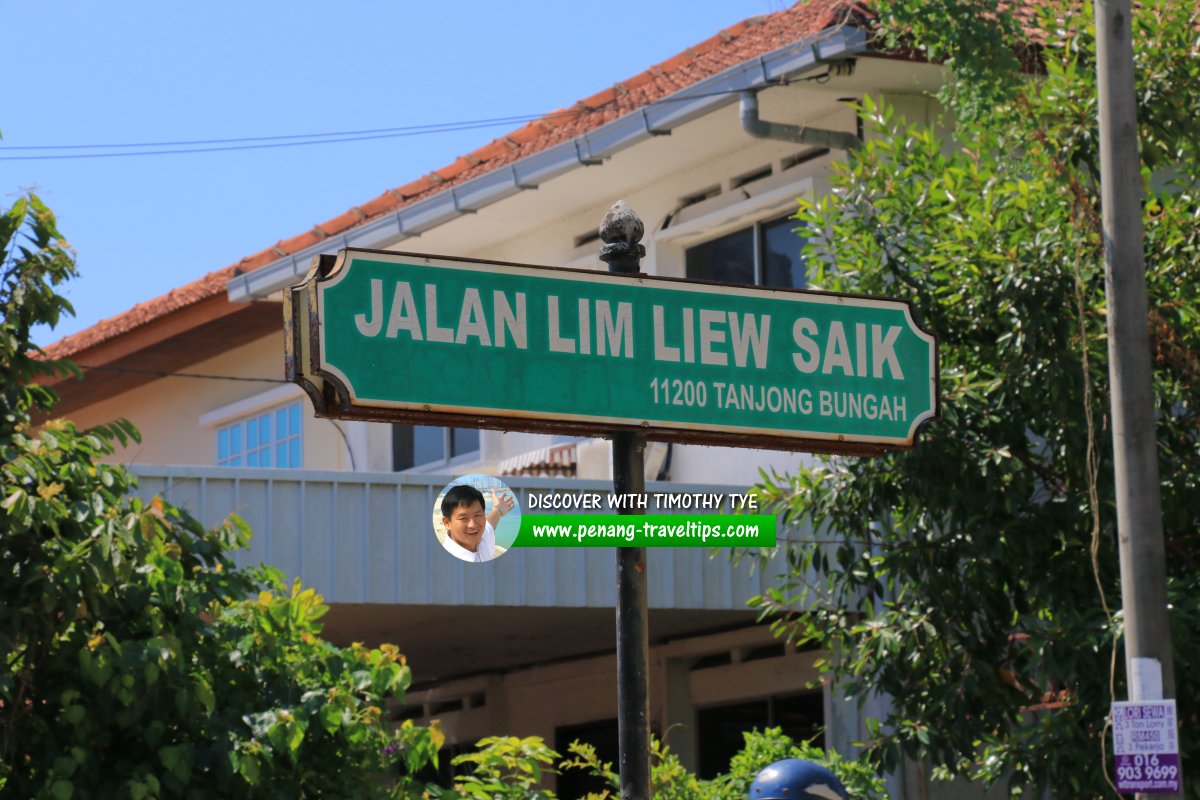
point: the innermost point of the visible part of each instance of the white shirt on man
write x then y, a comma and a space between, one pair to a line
484, 551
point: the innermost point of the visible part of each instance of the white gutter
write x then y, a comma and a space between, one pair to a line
656, 119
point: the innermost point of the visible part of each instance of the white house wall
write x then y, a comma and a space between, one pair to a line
168, 411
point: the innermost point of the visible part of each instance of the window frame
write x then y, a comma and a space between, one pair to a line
757, 249
449, 457
292, 411
269, 401
704, 223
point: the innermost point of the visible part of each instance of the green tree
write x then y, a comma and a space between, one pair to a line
504, 768
136, 660
974, 579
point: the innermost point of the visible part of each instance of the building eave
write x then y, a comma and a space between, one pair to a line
593, 147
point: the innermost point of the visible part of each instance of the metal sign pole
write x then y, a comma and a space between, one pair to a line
622, 231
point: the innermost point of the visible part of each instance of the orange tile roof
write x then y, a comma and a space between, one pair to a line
747, 39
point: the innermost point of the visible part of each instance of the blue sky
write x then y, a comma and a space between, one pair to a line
128, 72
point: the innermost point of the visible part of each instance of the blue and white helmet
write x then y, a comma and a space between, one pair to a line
795, 779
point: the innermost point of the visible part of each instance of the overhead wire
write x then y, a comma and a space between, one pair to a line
433, 127
165, 374
224, 148
192, 146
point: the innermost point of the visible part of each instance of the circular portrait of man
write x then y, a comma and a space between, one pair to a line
476, 518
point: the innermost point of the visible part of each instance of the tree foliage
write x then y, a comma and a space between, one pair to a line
136, 660
975, 578
983, 47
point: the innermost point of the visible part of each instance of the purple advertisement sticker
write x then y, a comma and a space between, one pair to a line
1151, 774
1146, 746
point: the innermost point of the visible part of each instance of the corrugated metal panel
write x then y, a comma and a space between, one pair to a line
368, 538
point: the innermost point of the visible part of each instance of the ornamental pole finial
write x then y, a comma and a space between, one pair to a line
622, 230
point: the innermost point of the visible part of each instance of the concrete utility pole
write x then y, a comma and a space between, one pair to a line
622, 232
1139, 506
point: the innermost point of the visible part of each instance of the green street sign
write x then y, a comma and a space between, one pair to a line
435, 340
